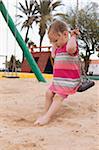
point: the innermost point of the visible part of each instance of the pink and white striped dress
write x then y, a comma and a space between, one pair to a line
66, 72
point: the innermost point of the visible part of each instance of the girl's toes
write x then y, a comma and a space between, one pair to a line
41, 121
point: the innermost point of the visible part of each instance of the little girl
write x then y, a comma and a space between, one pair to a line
66, 69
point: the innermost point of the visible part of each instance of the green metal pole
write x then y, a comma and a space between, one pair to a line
21, 43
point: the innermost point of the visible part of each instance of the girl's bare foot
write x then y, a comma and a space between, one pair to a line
42, 121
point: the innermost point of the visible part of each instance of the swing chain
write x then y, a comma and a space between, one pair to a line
82, 69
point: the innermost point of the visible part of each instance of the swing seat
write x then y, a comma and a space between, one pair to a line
10, 76
85, 84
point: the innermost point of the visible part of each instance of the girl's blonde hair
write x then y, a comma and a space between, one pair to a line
58, 26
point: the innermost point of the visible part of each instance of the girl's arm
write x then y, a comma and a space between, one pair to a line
72, 43
53, 53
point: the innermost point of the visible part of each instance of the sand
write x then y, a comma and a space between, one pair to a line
74, 127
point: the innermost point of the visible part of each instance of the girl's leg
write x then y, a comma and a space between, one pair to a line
48, 99
54, 107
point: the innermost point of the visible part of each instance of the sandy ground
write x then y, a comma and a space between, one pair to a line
74, 127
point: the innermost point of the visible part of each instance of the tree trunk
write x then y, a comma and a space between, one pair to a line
41, 39
26, 37
26, 40
87, 62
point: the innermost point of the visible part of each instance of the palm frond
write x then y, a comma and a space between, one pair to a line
19, 16
31, 5
61, 14
26, 3
24, 25
35, 11
56, 4
22, 7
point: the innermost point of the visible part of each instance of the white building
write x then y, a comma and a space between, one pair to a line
94, 67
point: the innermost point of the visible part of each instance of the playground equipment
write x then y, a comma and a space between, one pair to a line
21, 42
11, 65
43, 60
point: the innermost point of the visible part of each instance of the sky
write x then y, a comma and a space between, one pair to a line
8, 44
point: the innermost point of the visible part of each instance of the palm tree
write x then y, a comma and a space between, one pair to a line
45, 15
13, 64
28, 16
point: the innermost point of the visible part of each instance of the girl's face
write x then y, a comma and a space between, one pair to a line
58, 39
